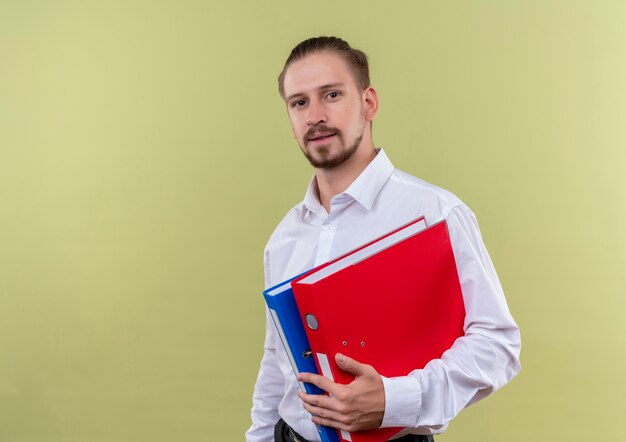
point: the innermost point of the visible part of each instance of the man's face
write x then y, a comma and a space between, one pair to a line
325, 108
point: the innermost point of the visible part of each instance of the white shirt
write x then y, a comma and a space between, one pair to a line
378, 201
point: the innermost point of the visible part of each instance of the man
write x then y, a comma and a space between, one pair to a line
356, 195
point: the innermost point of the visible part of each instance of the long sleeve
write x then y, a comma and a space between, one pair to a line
270, 385
480, 362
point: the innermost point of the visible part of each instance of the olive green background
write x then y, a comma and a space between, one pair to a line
145, 158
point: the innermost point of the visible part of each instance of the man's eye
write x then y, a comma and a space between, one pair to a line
333, 94
298, 103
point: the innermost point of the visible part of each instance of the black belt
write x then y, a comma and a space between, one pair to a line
284, 433
295, 437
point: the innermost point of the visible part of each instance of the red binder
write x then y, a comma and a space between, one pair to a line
396, 309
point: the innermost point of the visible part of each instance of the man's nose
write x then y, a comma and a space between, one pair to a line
316, 114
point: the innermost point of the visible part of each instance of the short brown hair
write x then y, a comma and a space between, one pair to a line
356, 59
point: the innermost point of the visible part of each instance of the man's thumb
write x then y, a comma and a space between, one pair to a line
349, 365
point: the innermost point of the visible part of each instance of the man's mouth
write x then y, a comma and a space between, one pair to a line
321, 136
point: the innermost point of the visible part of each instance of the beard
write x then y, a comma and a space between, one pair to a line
322, 156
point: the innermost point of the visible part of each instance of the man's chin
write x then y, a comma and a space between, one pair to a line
327, 161
329, 155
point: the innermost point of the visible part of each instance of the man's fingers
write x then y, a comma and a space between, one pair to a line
324, 401
316, 400
325, 413
331, 418
322, 382
328, 422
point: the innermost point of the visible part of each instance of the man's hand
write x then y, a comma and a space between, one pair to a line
359, 405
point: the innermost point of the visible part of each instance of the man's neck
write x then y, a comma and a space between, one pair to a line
331, 182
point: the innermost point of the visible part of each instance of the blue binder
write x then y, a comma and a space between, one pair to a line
284, 310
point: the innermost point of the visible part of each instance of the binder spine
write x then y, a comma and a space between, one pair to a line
313, 321
285, 314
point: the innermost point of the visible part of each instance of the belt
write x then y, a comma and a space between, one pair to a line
295, 437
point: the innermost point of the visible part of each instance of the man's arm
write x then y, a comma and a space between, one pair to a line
480, 362
270, 384
268, 392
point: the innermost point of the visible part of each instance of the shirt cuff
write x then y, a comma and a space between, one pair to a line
403, 401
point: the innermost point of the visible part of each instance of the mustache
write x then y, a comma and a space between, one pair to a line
313, 130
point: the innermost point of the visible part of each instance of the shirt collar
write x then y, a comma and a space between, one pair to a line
364, 189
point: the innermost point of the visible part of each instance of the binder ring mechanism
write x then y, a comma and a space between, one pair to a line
311, 321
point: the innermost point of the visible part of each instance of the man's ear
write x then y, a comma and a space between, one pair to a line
370, 101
